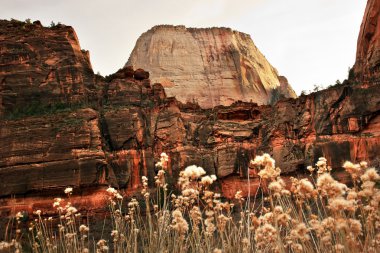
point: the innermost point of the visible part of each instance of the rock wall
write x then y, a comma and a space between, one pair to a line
52, 152
119, 142
367, 66
42, 66
213, 66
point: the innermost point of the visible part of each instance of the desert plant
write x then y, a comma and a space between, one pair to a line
313, 214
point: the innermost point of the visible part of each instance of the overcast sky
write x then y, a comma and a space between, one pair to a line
308, 41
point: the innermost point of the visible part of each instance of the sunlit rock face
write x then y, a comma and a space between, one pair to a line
212, 66
367, 66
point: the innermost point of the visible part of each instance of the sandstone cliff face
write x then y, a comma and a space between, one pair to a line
120, 137
40, 153
121, 141
40, 66
214, 66
367, 66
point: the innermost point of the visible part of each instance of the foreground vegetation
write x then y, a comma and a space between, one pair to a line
315, 214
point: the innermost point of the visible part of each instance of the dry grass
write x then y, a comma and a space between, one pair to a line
317, 215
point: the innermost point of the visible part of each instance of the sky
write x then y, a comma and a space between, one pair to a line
311, 42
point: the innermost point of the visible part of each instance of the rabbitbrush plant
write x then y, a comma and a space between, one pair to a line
314, 214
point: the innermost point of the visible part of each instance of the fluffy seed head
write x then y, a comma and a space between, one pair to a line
69, 190
194, 172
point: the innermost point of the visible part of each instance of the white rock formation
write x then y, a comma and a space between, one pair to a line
212, 66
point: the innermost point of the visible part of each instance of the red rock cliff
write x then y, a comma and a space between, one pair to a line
40, 66
367, 66
119, 139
